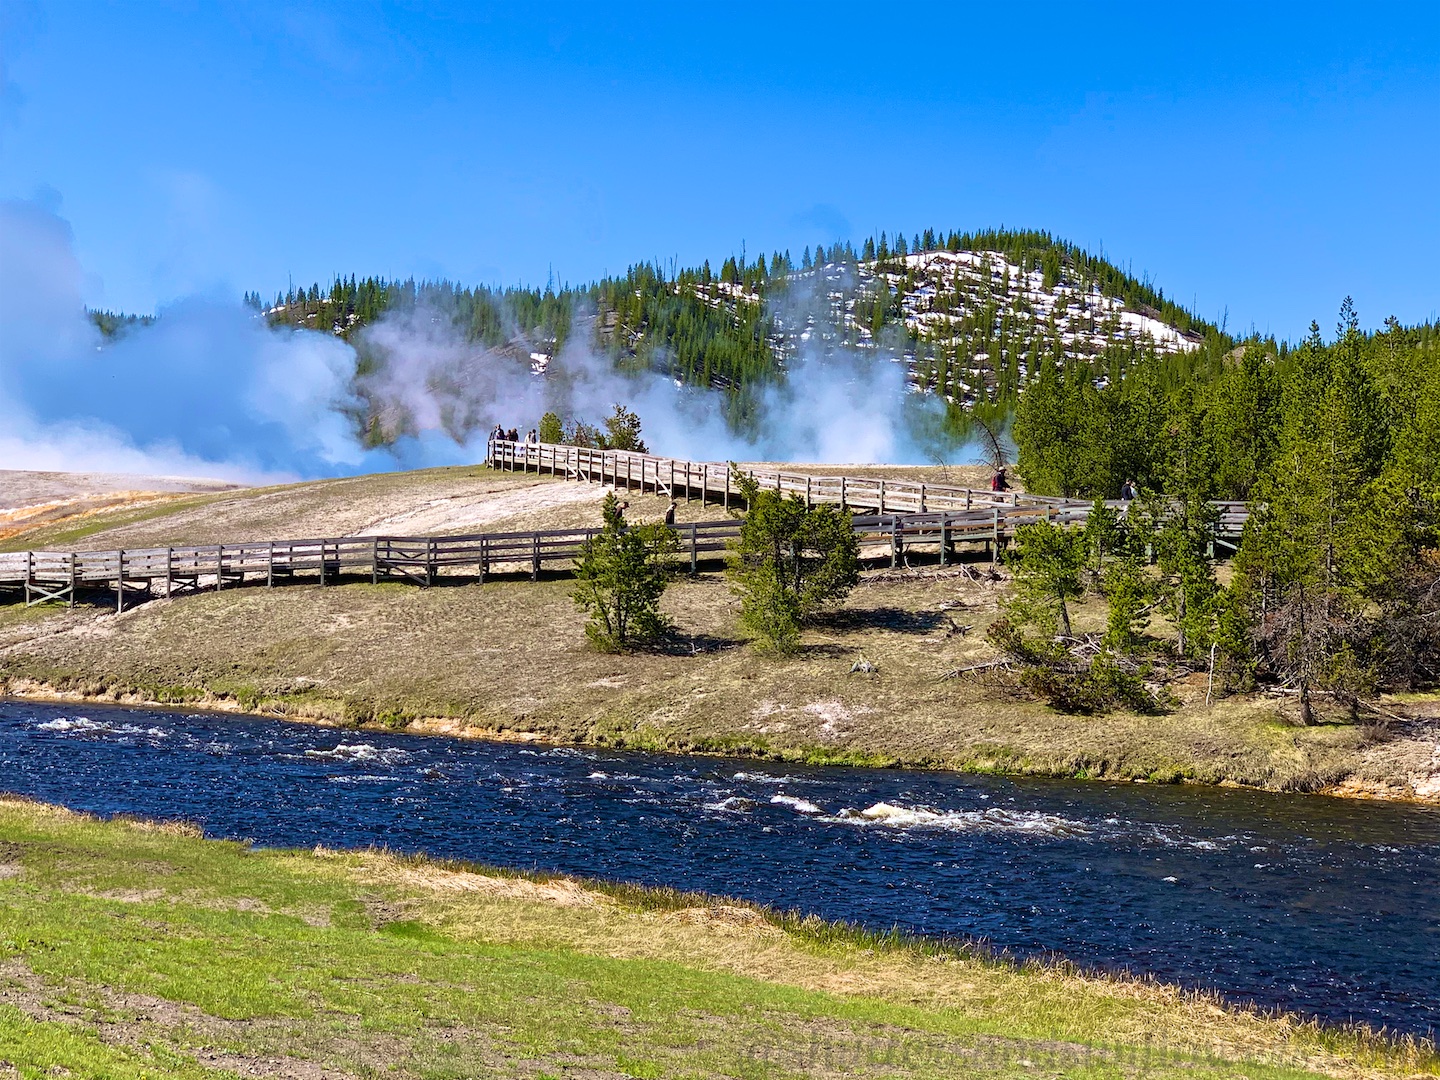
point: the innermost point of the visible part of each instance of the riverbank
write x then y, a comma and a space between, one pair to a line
509, 660
130, 949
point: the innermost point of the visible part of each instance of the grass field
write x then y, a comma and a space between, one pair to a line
134, 950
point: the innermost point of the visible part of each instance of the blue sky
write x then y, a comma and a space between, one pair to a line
1258, 161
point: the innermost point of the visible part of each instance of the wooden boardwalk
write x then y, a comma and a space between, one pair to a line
711, 481
934, 522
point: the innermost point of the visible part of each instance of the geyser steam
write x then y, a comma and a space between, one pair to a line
210, 389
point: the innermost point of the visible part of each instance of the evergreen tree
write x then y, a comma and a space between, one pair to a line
551, 430
620, 577
622, 431
1046, 561
790, 561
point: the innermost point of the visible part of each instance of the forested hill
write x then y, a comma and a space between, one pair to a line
971, 315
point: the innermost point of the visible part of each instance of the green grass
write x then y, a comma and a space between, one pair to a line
131, 950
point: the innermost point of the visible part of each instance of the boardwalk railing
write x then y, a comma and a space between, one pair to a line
39, 576
905, 516
711, 481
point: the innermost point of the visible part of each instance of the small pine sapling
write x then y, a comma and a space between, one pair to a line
622, 573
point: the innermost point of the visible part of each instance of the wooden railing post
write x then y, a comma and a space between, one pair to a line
375, 560
535, 564
727, 488
119, 581
694, 549
270, 566
72, 579
894, 542
219, 566
882, 497
484, 558
169, 571
322, 562
922, 497
944, 541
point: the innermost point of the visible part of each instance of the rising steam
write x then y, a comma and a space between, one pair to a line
209, 389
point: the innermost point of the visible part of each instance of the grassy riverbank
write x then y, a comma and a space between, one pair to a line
131, 950
509, 658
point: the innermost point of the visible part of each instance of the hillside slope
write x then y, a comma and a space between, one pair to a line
969, 316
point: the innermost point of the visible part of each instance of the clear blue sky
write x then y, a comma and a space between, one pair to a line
1263, 160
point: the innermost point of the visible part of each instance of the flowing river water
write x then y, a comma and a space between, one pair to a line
1324, 906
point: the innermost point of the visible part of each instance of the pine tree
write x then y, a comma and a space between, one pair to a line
620, 577
790, 561
1046, 561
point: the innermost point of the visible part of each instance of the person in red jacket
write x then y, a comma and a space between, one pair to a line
998, 481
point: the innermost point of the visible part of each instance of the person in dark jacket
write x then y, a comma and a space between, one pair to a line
998, 481
670, 513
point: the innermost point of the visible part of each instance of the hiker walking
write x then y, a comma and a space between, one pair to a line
998, 481
670, 513
1128, 491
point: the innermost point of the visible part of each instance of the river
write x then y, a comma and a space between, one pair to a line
1324, 906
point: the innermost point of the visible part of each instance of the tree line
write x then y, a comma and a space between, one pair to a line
718, 328
1335, 449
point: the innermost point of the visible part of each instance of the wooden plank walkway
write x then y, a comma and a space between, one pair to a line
907, 518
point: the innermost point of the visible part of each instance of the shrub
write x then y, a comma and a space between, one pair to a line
790, 560
621, 575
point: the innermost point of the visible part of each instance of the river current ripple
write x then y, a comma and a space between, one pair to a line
1324, 906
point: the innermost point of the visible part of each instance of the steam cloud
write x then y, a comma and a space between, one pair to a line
210, 390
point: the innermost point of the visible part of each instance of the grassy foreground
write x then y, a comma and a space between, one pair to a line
130, 949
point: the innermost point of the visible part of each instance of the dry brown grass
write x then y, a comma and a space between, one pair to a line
739, 939
510, 659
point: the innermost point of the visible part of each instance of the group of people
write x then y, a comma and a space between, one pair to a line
500, 434
624, 506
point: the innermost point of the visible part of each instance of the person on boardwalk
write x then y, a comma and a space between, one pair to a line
533, 438
998, 481
1128, 491
670, 513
